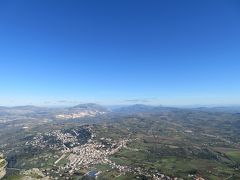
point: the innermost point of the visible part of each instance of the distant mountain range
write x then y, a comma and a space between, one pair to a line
82, 110
93, 110
141, 108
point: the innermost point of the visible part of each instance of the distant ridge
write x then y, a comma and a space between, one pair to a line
142, 108
89, 106
82, 110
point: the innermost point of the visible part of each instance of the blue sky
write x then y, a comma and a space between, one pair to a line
119, 52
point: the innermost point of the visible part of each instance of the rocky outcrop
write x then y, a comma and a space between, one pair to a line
2, 173
3, 164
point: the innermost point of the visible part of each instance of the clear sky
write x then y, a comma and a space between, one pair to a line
59, 52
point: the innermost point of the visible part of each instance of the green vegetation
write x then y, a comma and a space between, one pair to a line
176, 143
234, 155
103, 167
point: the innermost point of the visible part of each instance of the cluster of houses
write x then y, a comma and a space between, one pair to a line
78, 156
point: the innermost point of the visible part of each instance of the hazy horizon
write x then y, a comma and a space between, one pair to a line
56, 105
